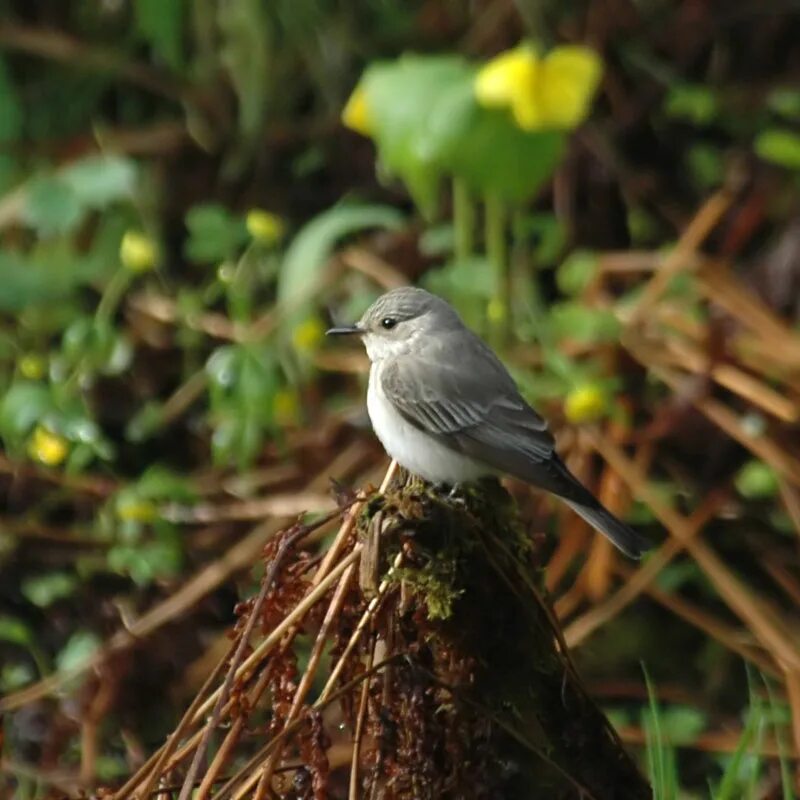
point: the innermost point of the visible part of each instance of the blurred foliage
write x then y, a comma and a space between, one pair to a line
179, 206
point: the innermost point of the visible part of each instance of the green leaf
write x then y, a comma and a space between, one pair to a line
243, 381
403, 97
23, 405
160, 22
706, 165
459, 279
52, 206
681, 725
149, 560
576, 272
78, 650
15, 676
308, 254
757, 481
162, 484
549, 236
692, 102
586, 325
15, 631
96, 345
214, 233
491, 153
98, 181
44, 590
146, 422
49, 273
779, 146
426, 123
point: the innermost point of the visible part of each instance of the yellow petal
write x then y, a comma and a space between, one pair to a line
566, 84
356, 114
308, 335
136, 511
508, 79
138, 252
586, 403
32, 366
264, 226
47, 448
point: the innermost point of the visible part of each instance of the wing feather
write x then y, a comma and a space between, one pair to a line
476, 411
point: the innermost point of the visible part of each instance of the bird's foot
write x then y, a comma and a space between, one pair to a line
457, 495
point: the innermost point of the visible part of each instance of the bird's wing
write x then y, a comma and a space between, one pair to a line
473, 408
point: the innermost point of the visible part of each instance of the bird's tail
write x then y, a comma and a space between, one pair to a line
621, 535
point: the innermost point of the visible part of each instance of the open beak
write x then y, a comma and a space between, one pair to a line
344, 330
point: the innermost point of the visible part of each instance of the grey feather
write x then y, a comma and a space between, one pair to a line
480, 413
446, 383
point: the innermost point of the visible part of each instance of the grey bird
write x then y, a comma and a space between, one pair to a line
445, 408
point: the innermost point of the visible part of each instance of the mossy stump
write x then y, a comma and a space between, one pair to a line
415, 659
483, 703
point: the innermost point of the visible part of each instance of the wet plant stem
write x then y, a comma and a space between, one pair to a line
526, 287
113, 294
497, 253
463, 221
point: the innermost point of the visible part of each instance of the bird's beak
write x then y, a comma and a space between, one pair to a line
344, 330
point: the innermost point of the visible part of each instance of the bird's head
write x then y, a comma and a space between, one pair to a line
398, 319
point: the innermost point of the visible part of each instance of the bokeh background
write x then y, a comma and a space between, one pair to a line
183, 211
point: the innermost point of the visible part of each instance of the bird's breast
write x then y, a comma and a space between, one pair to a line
419, 452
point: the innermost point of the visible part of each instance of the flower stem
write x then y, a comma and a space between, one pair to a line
463, 220
526, 288
497, 252
113, 294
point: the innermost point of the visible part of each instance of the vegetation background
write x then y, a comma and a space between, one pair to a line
181, 211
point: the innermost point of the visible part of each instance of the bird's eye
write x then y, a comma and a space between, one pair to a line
388, 323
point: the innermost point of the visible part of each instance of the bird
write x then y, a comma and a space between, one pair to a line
446, 409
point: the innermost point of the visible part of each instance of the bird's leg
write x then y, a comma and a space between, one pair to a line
457, 495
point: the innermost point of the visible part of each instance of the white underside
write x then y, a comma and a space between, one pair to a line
411, 448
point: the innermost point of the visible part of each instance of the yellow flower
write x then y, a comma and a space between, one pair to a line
138, 252
286, 408
356, 115
264, 226
47, 448
133, 510
586, 403
32, 366
307, 336
553, 92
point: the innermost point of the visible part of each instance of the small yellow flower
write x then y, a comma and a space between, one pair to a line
553, 92
356, 114
286, 408
306, 337
47, 448
586, 403
32, 367
496, 311
133, 510
138, 252
265, 227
